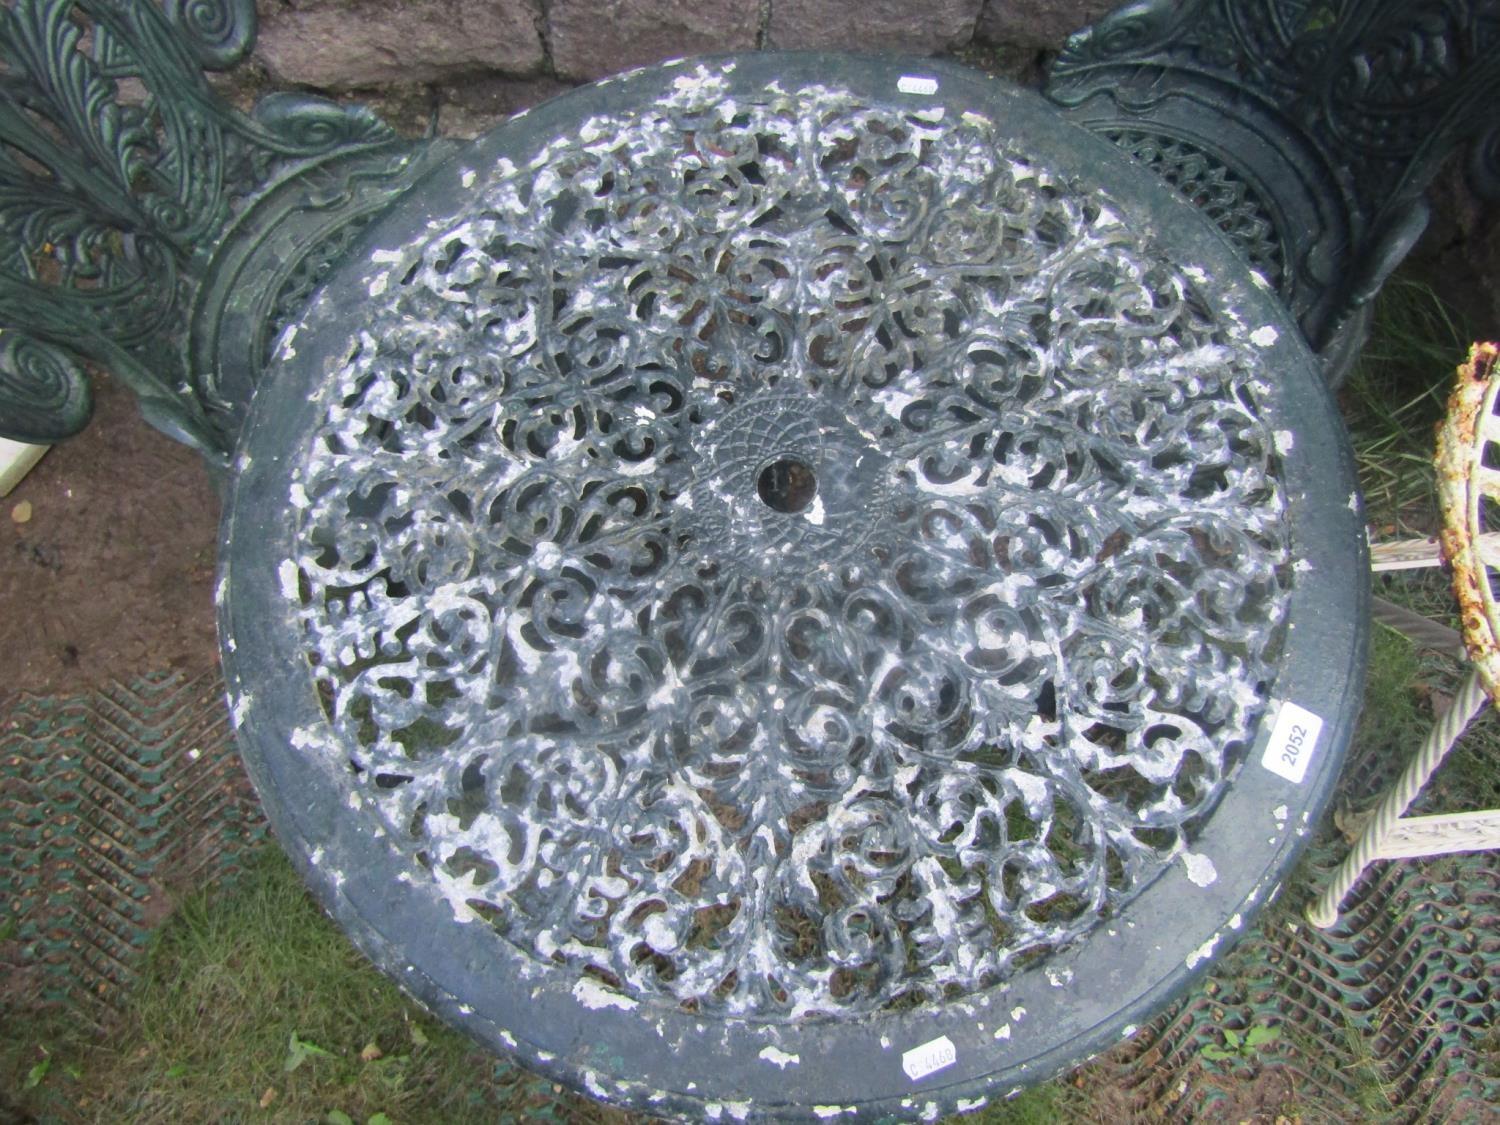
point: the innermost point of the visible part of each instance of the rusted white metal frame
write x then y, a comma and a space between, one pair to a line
1465, 482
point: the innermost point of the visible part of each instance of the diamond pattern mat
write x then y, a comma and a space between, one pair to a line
107, 800
114, 801
1388, 1017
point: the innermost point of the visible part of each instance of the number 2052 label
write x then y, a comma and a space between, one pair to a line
1294, 740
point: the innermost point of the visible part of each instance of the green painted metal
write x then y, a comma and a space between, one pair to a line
1308, 129
1383, 1019
149, 227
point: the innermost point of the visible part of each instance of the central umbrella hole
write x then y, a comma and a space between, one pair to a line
788, 485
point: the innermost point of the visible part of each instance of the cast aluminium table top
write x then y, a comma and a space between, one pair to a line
793, 585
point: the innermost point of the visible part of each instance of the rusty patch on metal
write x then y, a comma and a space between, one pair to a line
1464, 483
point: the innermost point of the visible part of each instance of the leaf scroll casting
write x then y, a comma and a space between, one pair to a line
120, 171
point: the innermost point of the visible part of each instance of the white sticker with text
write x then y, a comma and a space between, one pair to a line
913, 84
1294, 740
929, 1058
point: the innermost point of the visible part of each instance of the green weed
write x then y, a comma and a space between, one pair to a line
1394, 398
1370, 1090
1041, 1105
1240, 1046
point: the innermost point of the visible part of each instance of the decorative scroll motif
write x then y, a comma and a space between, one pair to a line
1216, 190
1337, 112
276, 253
120, 169
39, 380
788, 556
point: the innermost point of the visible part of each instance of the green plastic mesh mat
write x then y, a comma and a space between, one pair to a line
1389, 1017
114, 801
108, 802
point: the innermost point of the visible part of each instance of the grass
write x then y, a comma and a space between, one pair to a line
1362, 1071
252, 1006
1468, 779
1056, 1101
1393, 403
1394, 399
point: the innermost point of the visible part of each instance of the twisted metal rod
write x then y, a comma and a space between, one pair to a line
1419, 630
1470, 700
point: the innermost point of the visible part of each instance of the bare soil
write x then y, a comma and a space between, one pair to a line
111, 576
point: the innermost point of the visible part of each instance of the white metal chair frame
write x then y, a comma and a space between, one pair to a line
1468, 483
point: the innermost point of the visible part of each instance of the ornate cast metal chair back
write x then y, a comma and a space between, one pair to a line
151, 228
1308, 129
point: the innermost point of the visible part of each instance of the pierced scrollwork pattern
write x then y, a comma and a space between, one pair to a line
1386, 88
1338, 111
120, 170
1215, 189
788, 556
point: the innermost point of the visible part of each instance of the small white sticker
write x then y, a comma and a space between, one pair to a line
912, 84
929, 1058
1294, 740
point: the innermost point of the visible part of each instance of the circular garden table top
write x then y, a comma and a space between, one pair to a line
793, 585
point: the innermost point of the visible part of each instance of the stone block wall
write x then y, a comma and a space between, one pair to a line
472, 63
348, 44
342, 45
